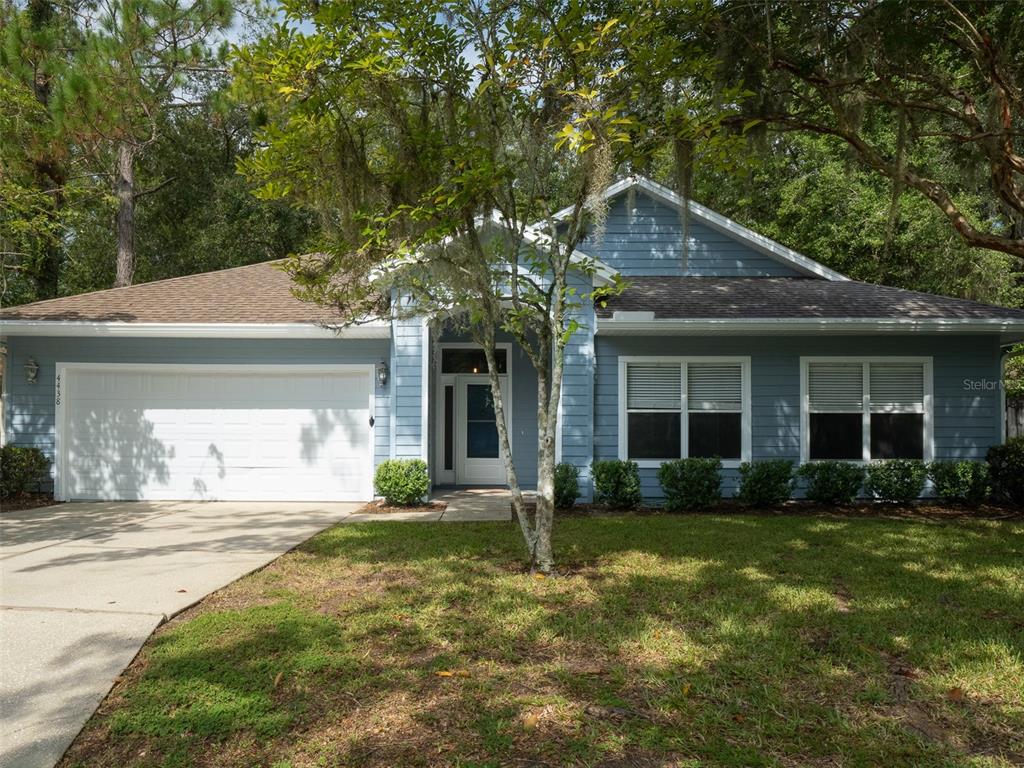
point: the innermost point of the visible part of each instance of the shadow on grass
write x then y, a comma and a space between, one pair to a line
721, 640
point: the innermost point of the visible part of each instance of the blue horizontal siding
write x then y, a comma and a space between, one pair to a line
29, 408
966, 423
408, 383
646, 239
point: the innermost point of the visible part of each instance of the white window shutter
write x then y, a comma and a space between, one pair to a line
714, 386
653, 386
835, 387
897, 386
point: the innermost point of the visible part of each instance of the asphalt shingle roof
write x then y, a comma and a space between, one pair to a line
258, 293
784, 297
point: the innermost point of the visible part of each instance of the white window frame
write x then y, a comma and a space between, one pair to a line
684, 430
864, 362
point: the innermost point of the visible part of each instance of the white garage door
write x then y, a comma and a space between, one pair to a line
215, 433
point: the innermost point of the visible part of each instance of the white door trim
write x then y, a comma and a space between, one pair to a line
441, 475
462, 470
60, 416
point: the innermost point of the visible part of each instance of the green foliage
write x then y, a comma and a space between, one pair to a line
22, 470
961, 482
206, 219
766, 483
898, 481
1006, 467
693, 483
831, 482
617, 483
567, 485
401, 482
911, 131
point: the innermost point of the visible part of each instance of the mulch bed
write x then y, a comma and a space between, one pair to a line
27, 501
929, 510
379, 507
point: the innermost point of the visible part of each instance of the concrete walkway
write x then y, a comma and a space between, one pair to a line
82, 586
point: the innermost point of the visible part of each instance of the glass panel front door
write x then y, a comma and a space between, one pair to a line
481, 424
479, 450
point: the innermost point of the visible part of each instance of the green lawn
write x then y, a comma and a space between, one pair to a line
698, 640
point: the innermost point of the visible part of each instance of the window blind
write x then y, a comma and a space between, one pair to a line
835, 387
897, 386
714, 386
653, 387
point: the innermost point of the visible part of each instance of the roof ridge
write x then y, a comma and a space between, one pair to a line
150, 282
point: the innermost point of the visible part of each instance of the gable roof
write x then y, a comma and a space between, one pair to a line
758, 242
254, 300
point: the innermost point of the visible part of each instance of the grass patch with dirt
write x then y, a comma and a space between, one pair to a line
699, 640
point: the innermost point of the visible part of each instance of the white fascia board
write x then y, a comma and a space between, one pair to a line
370, 330
684, 327
722, 224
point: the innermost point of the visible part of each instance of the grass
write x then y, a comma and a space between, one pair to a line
684, 641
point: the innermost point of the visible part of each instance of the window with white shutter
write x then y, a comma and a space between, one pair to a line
654, 401
715, 409
673, 408
866, 409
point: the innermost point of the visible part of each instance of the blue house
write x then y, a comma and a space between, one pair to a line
224, 386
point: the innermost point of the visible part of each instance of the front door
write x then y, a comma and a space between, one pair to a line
479, 452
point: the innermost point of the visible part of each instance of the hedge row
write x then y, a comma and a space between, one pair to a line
696, 483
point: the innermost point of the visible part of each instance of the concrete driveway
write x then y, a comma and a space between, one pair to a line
83, 585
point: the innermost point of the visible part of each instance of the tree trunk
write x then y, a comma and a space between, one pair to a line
124, 190
542, 557
485, 338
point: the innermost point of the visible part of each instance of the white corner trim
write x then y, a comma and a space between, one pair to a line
76, 328
721, 223
617, 326
928, 405
746, 426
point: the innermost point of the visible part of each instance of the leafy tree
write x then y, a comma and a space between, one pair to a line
429, 142
143, 58
39, 173
206, 218
946, 75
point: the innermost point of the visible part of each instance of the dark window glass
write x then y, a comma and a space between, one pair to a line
716, 434
654, 435
897, 435
449, 427
481, 423
471, 361
836, 436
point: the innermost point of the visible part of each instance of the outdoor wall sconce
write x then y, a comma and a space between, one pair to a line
382, 374
32, 371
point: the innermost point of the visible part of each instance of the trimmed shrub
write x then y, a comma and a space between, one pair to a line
402, 482
832, 482
898, 481
22, 470
567, 485
617, 483
961, 482
691, 483
1006, 468
766, 483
